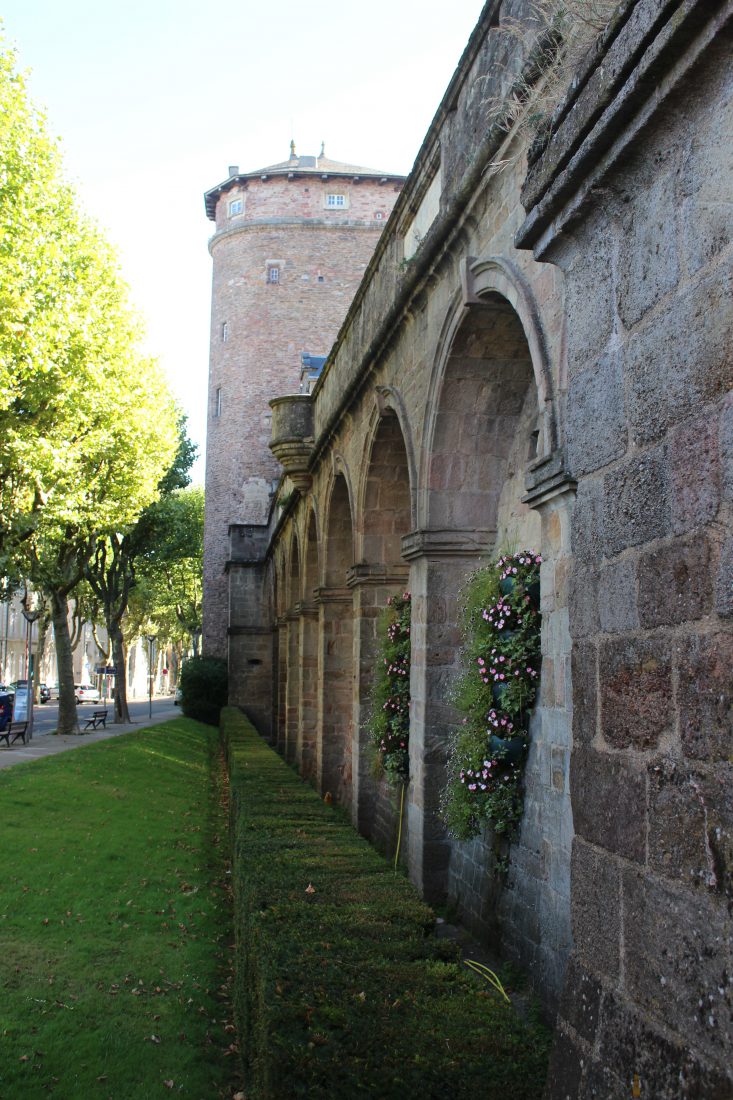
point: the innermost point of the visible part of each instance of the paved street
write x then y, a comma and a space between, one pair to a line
44, 743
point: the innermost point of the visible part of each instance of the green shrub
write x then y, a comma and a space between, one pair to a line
204, 689
341, 986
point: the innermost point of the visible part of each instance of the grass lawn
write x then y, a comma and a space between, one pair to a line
115, 921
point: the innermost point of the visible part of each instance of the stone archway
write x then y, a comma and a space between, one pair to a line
292, 720
309, 655
490, 423
336, 694
281, 655
385, 518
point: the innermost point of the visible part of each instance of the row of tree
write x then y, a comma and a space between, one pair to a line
94, 457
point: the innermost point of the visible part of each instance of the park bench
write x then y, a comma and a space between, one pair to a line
98, 718
13, 732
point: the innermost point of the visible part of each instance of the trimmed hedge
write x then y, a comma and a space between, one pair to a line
204, 688
341, 987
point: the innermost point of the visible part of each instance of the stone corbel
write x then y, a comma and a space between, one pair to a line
546, 478
325, 595
469, 297
306, 610
365, 573
447, 543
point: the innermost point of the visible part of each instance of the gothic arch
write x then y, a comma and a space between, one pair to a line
386, 494
492, 283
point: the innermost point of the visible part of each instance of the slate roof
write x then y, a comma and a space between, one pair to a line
296, 166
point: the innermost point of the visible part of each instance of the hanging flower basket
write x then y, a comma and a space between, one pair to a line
389, 724
495, 694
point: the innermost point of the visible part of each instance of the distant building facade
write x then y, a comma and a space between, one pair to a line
291, 246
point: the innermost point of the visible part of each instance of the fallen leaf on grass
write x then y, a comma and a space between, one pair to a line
168, 1084
310, 888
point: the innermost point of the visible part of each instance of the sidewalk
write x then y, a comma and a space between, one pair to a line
49, 744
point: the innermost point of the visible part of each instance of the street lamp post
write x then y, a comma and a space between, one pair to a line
30, 614
151, 643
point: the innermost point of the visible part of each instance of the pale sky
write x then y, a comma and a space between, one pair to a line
154, 99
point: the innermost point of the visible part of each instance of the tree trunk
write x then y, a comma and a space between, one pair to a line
122, 713
68, 721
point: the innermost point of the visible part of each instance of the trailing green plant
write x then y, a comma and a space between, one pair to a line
495, 694
389, 724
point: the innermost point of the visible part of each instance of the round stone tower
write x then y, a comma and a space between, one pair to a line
291, 244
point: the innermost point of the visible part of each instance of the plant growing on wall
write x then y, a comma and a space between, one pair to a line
389, 724
495, 695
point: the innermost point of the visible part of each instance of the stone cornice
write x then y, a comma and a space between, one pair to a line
635, 65
293, 223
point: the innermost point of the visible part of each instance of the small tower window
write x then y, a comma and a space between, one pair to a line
217, 401
273, 273
224, 332
236, 206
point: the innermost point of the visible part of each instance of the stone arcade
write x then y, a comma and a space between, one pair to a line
539, 353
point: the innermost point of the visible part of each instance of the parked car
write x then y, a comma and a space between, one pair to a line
44, 693
6, 708
85, 693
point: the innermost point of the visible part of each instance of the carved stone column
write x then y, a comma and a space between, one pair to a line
335, 693
440, 563
306, 745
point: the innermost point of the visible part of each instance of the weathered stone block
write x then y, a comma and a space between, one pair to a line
693, 370
677, 958
600, 783
725, 443
706, 220
666, 1070
636, 504
583, 601
596, 417
648, 263
675, 584
724, 579
585, 692
636, 692
596, 917
565, 1075
588, 534
581, 1000
695, 474
691, 825
705, 695
617, 597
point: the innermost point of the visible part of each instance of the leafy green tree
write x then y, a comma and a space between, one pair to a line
171, 568
87, 425
111, 569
